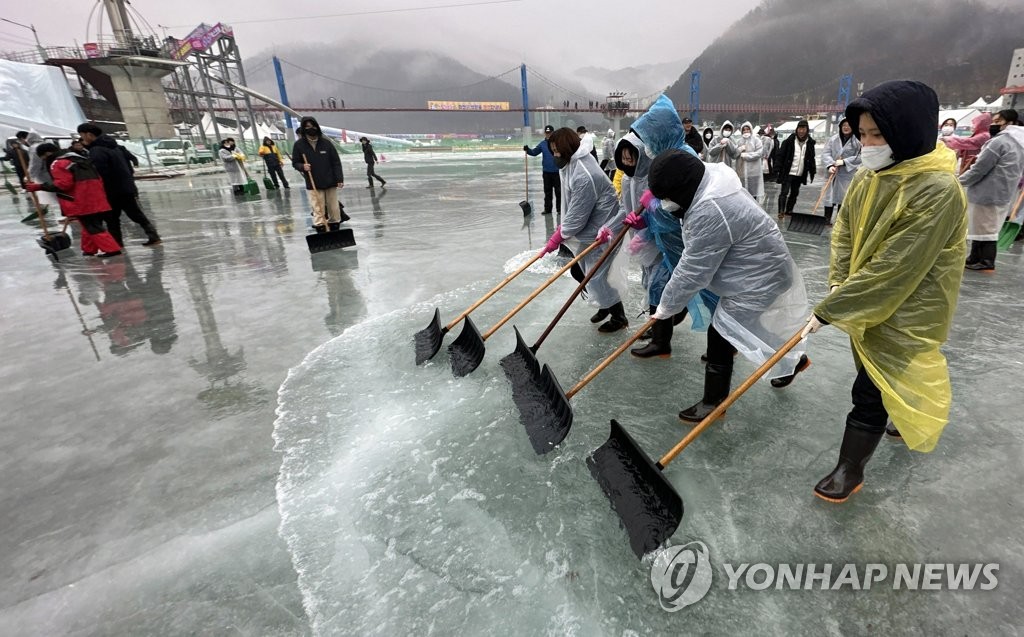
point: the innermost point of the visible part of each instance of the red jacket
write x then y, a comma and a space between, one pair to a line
78, 185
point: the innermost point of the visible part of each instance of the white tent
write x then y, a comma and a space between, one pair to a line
35, 97
264, 130
997, 104
223, 129
978, 103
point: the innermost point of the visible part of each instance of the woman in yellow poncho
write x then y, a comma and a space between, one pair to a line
898, 250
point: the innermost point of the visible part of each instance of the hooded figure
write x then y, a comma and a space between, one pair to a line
737, 252
590, 204
608, 146
896, 263
323, 176
967, 148
723, 149
749, 154
707, 136
842, 158
271, 154
229, 155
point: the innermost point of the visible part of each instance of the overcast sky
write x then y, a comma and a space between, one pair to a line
486, 37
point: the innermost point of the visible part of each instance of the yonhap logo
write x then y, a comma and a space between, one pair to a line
681, 575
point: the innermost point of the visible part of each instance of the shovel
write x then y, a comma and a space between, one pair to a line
648, 506
250, 187
51, 243
521, 366
331, 240
1011, 227
428, 340
525, 204
811, 223
467, 351
269, 185
544, 408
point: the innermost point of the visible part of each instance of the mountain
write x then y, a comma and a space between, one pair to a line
795, 51
642, 80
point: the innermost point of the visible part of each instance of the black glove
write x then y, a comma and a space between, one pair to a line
526, 148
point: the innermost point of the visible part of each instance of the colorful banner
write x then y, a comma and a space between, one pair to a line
201, 38
439, 105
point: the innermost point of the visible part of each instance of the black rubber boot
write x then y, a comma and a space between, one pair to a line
892, 432
661, 341
986, 257
333, 227
848, 476
678, 318
828, 214
320, 229
600, 315
972, 258
716, 389
784, 381
617, 320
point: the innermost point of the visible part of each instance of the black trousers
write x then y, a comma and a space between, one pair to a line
371, 174
868, 412
720, 351
552, 183
276, 172
789, 192
128, 204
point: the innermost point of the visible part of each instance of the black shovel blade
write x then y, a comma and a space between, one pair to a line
527, 208
544, 411
647, 504
564, 252
428, 340
808, 224
467, 351
323, 241
521, 366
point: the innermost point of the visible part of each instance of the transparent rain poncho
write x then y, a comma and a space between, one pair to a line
898, 250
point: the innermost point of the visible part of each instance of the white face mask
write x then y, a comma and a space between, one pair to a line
876, 157
947, 130
669, 206
746, 135
727, 133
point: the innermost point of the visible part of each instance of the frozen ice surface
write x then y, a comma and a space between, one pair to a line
153, 492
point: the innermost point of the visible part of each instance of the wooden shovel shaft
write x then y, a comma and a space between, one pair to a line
733, 397
608, 361
311, 182
535, 293
526, 172
579, 288
828, 183
1016, 206
35, 199
494, 291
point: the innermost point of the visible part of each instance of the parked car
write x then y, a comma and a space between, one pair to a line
179, 151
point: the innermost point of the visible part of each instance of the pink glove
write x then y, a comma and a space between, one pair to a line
604, 234
635, 221
646, 199
33, 187
553, 242
636, 244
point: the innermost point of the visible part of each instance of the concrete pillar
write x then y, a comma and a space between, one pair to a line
140, 94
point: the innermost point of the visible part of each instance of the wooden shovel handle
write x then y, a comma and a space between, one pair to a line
579, 288
313, 183
1016, 206
494, 291
35, 199
733, 397
543, 286
828, 183
608, 361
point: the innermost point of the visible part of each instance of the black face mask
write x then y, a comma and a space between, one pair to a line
628, 171
311, 132
562, 162
994, 129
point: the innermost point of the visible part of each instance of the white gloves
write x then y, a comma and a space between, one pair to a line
661, 314
840, 162
833, 289
813, 325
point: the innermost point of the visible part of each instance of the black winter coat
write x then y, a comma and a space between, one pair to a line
324, 160
785, 161
369, 156
694, 140
114, 169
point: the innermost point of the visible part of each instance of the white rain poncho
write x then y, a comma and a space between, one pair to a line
231, 166
850, 154
749, 153
735, 250
589, 202
723, 153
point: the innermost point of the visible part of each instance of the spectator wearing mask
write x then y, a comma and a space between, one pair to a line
230, 156
967, 148
723, 149
842, 156
749, 155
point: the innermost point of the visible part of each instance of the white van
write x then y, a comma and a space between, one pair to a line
180, 151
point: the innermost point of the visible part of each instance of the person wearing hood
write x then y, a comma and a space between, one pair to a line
590, 204
39, 172
317, 159
608, 153
749, 155
549, 171
79, 189
796, 166
723, 149
896, 264
693, 138
119, 182
992, 182
230, 157
370, 158
948, 128
967, 148
707, 136
842, 157
274, 162
734, 250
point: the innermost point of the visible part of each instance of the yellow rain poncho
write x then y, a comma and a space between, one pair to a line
898, 251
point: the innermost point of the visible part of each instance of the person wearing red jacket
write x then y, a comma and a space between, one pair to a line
80, 192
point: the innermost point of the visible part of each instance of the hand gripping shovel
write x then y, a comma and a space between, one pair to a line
521, 366
544, 408
428, 340
467, 351
525, 203
648, 505
332, 240
1011, 227
812, 223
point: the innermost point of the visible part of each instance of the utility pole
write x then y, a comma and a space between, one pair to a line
32, 28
